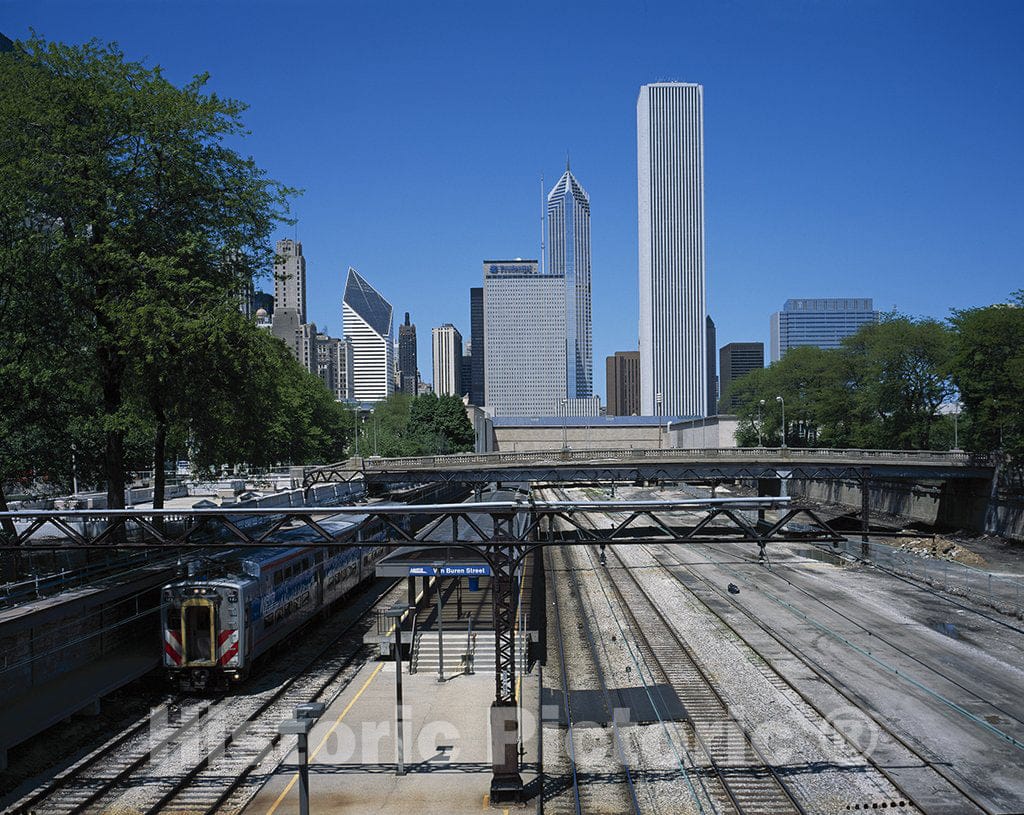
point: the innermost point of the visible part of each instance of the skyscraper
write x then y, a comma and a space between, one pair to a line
670, 176
476, 337
290, 278
568, 256
408, 373
622, 380
367, 319
524, 339
447, 345
821, 322
711, 343
737, 359
334, 365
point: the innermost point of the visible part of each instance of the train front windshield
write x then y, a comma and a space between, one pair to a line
197, 622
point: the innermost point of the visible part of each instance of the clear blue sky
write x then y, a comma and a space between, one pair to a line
870, 149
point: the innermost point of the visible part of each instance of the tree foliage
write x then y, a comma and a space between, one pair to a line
403, 425
988, 370
129, 226
881, 389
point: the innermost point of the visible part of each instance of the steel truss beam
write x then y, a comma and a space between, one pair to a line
502, 533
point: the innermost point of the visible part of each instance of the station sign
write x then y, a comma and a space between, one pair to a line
481, 570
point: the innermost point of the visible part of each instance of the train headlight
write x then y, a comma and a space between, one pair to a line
195, 591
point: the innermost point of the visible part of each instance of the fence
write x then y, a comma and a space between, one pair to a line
1001, 592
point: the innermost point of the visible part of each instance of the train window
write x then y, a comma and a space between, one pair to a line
278, 578
199, 634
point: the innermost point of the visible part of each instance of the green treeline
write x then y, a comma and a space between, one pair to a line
406, 426
884, 387
129, 229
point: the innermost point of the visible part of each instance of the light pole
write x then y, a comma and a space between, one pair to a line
305, 717
657, 402
74, 470
760, 423
782, 402
395, 615
956, 429
565, 445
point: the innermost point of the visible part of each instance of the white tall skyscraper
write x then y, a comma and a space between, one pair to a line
670, 176
367, 320
524, 339
568, 255
447, 347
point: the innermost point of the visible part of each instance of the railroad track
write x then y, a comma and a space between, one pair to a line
954, 794
620, 795
204, 755
747, 782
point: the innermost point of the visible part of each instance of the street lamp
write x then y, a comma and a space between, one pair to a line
782, 402
395, 615
657, 402
760, 423
305, 717
956, 429
565, 411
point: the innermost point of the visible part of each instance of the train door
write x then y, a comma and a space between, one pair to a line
199, 636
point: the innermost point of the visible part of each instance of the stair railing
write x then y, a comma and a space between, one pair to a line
412, 645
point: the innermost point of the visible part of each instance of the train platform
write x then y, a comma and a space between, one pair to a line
447, 748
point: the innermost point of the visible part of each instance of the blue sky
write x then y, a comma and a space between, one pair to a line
865, 149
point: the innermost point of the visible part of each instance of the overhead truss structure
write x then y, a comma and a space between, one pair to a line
502, 533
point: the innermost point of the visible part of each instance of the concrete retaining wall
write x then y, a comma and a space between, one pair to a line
950, 504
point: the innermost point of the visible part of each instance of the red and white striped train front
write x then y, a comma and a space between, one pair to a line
204, 630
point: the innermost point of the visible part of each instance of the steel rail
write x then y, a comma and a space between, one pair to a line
821, 675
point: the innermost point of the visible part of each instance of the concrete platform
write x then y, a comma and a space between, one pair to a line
447, 748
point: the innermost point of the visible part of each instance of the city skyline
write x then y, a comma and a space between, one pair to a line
831, 153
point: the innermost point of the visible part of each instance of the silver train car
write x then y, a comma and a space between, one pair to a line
216, 624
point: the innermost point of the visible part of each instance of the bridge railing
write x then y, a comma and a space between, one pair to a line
929, 457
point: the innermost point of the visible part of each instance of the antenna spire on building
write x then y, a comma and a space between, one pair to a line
567, 161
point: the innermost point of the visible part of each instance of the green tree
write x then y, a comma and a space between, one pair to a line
988, 369
132, 183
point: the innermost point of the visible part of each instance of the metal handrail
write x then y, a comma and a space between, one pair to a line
470, 646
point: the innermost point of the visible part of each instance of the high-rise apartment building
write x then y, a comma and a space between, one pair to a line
367, 318
334, 365
290, 278
823, 322
737, 359
447, 345
622, 382
408, 372
670, 176
476, 338
524, 339
568, 256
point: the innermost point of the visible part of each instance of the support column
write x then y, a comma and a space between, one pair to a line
411, 591
506, 782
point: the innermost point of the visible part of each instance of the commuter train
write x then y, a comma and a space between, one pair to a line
242, 603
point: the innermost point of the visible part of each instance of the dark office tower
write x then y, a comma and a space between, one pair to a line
467, 368
712, 344
408, 375
476, 340
737, 359
622, 379
5, 44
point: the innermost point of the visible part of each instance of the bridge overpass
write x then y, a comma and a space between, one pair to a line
656, 465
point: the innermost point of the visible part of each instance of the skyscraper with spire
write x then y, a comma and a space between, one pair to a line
568, 256
367, 319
